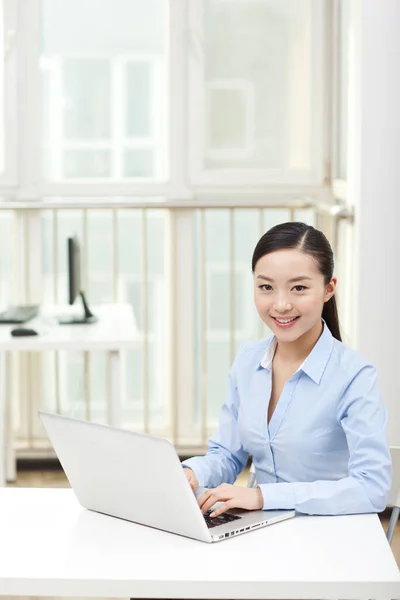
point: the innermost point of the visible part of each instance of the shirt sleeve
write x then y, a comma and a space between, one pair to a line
362, 415
225, 457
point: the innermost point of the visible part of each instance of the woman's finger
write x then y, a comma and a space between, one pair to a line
222, 508
204, 497
210, 497
211, 500
218, 496
213, 497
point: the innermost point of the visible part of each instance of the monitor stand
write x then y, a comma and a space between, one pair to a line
85, 319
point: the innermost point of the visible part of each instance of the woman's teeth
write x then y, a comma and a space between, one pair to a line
283, 321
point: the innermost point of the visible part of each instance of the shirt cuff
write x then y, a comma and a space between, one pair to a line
277, 496
195, 465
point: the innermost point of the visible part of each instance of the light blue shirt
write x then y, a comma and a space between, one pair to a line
324, 450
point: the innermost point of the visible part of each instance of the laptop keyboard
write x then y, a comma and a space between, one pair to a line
220, 520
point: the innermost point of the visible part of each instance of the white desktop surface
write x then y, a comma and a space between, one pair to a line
50, 545
115, 330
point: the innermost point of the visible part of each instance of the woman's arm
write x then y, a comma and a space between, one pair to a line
225, 457
363, 418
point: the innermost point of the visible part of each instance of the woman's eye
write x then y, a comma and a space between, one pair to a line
265, 287
299, 288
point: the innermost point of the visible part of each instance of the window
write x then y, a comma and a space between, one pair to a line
104, 90
255, 107
138, 121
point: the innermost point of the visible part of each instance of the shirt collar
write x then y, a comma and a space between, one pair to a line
315, 363
266, 360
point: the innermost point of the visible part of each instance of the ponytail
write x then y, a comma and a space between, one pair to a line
331, 318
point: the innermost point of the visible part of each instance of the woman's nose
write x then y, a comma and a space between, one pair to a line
282, 305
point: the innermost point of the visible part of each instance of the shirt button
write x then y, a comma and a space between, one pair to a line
270, 470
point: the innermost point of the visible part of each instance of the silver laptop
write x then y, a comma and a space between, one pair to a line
139, 478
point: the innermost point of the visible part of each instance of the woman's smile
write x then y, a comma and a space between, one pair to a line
285, 322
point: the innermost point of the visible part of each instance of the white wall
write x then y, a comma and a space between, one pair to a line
374, 189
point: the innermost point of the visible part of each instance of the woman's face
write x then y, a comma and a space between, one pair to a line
290, 293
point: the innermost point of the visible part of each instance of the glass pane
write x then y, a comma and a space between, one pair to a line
258, 84
138, 98
6, 225
305, 215
46, 94
247, 232
98, 364
103, 88
129, 244
231, 131
131, 227
216, 334
67, 391
274, 216
131, 224
218, 278
86, 84
100, 254
139, 163
129, 252
87, 163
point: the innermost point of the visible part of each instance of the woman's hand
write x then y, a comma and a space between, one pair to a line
191, 477
232, 496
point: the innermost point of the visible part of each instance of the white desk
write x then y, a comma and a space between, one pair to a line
115, 331
50, 545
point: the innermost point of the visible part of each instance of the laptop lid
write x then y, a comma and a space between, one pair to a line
124, 474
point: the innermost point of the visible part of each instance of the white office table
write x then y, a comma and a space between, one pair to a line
115, 331
50, 545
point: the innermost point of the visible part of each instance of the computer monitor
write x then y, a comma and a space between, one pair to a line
74, 285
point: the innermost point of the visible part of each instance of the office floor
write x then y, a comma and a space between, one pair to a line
54, 477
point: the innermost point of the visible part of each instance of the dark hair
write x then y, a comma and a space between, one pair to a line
310, 241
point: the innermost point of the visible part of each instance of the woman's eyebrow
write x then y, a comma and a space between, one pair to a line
301, 278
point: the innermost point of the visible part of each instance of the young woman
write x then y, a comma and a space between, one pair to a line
304, 405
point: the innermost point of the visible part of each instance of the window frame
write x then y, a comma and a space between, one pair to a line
186, 180
199, 176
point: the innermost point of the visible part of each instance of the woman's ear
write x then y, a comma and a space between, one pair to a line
330, 289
